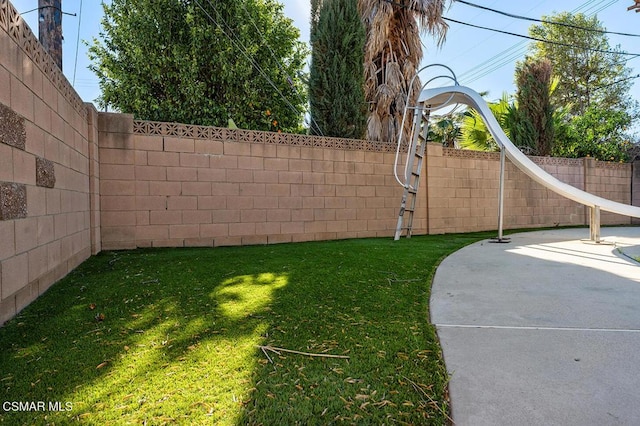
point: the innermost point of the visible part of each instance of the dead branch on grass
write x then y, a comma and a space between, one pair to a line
419, 389
278, 350
264, 351
395, 279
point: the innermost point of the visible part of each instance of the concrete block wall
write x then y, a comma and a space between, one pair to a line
462, 191
612, 181
45, 151
529, 204
166, 184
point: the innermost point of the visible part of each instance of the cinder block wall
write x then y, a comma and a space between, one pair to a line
463, 191
612, 181
166, 184
47, 225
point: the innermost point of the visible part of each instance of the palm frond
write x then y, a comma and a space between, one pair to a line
374, 126
400, 101
429, 15
389, 128
384, 98
393, 77
371, 80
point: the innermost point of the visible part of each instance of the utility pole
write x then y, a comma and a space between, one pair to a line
50, 28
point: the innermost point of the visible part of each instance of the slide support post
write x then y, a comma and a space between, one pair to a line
500, 238
594, 224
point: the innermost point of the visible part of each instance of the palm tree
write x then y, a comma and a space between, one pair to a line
392, 55
445, 130
476, 135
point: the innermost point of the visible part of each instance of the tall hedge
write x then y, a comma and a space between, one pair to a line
336, 81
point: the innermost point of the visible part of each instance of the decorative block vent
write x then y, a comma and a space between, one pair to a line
258, 137
45, 173
12, 131
13, 200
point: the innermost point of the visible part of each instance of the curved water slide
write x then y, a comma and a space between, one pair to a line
442, 97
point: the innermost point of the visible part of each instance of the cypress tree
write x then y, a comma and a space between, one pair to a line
336, 80
534, 125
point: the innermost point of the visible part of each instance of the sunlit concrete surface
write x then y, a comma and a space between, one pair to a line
542, 330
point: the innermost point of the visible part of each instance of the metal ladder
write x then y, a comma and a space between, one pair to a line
413, 169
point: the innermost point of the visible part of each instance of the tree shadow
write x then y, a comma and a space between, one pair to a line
173, 333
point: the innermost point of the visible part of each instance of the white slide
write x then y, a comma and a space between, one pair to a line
441, 97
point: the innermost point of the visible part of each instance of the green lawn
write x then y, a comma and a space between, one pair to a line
161, 336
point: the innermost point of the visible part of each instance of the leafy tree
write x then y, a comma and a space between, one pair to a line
201, 62
593, 89
598, 133
533, 126
445, 130
581, 62
336, 81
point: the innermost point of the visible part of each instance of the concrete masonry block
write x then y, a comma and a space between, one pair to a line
45, 173
12, 131
13, 201
115, 122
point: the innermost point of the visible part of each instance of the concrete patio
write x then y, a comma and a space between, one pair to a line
542, 330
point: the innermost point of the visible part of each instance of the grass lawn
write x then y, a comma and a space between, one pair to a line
161, 336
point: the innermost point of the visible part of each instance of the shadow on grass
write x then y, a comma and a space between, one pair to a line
181, 329
177, 342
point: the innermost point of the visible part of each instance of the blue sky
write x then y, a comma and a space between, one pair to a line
481, 59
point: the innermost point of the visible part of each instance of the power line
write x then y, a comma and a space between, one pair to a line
75, 65
522, 51
616, 82
504, 61
543, 21
588, 10
47, 6
515, 51
519, 35
490, 63
585, 7
541, 39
